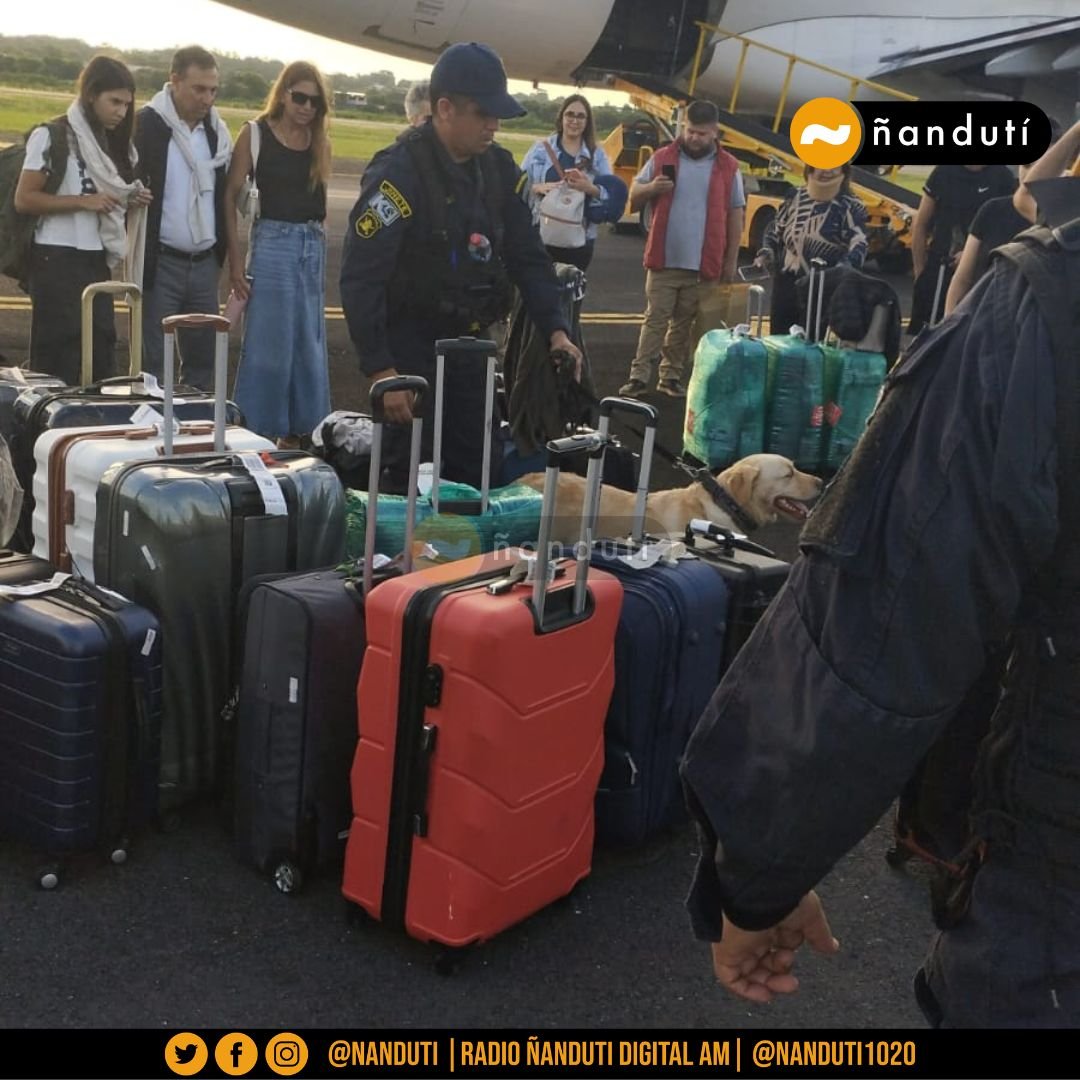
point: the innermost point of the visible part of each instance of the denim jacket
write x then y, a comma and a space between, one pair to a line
538, 168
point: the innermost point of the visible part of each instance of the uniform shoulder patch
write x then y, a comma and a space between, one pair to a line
367, 224
396, 198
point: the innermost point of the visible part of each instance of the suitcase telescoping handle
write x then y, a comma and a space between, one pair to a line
467, 347
593, 443
815, 291
419, 387
755, 308
134, 299
611, 405
169, 327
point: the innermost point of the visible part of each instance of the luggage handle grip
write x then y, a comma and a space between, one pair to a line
445, 346
419, 387
135, 312
594, 444
731, 540
611, 405
194, 321
607, 407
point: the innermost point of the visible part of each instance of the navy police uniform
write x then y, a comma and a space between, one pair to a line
432, 250
931, 549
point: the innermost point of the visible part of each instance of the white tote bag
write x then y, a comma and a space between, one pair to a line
562, 211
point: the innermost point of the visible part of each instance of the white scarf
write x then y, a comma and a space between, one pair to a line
202, 172
124, 241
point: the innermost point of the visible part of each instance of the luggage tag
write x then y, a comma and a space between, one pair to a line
37, 588
272, 496
13, 375
148, 415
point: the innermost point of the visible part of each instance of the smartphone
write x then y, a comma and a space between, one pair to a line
753, 273
669, 172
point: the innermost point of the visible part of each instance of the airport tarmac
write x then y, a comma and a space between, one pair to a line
186, 936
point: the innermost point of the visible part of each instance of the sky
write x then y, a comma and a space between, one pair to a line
154, 24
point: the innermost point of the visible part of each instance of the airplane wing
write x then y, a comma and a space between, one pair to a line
1043, 51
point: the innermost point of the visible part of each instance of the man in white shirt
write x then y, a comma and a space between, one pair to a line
184, 152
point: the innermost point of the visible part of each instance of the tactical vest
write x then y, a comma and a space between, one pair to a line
1028, 772
436, 278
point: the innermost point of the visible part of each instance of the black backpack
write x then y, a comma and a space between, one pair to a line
17, 230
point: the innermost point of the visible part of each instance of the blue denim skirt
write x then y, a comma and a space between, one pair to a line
283, 384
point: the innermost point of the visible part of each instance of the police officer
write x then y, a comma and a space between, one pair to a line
441, 231
953, 528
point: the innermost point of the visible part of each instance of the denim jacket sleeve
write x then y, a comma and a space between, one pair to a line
912, 564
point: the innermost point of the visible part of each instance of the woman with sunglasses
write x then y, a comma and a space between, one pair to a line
81, 192
283, 383
585, 167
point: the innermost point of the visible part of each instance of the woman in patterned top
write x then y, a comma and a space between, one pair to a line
821, 220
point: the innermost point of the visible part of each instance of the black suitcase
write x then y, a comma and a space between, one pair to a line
80, 702
302, 645
753, 574
303, 638
13, 381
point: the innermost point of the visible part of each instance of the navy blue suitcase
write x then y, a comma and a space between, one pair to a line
80, 717
668, 650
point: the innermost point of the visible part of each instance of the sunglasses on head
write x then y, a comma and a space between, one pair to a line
575, 116
300, 98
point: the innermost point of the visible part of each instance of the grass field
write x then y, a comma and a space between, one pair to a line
353, 140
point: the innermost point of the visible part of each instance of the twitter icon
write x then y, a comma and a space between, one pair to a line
186, 1054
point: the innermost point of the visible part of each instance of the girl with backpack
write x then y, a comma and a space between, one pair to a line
82, 229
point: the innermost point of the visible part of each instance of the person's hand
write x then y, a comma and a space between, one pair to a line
756, 964
661, 185
580, 181
543, 189
760, 262
239, 284
100, 203
397, 404
560, 342
954, 262
140, 197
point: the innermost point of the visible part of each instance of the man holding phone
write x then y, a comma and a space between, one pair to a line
691, 195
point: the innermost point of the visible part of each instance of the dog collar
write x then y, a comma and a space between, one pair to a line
723, 499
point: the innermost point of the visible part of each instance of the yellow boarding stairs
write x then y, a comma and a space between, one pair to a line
890, 206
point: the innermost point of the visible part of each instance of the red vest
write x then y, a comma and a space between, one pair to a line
715, 228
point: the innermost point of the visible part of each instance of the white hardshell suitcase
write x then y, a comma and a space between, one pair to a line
69, 462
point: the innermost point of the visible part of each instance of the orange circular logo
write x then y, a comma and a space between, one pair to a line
826, 133
186, 1054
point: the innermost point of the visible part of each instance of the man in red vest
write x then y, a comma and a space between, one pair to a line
694, 201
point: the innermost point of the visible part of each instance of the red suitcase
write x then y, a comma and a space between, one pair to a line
481, 739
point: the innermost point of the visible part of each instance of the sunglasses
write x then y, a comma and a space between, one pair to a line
575, 116
300, 98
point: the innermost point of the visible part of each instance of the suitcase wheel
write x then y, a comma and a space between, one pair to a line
48, 878
288, 877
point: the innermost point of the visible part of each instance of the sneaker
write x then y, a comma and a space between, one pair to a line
633, 388
671, 387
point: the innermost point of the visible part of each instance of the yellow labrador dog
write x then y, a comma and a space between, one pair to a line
755, 491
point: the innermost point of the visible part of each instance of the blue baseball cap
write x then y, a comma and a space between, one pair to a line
475, 71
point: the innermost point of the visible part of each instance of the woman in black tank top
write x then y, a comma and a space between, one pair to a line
283, 385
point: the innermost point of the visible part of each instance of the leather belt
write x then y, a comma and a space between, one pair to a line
187, 256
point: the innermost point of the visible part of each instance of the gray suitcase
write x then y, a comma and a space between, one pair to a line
180, 537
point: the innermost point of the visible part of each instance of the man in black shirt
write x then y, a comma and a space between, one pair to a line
951, 197
996, 223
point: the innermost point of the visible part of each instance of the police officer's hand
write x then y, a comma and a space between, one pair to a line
398, 403
756, 964
561, 343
